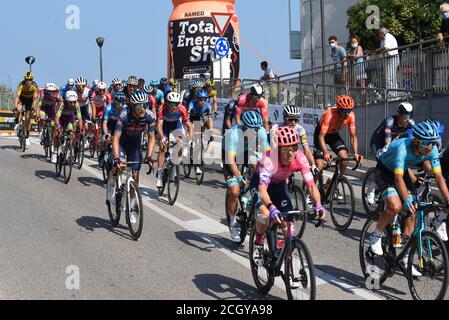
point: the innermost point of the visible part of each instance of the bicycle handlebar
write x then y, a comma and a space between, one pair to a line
338, 160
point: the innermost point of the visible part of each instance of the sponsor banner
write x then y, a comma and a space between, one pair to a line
7, 122
309, 120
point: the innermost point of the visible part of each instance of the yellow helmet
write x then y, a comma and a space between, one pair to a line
172, 82
210, 83
29, 76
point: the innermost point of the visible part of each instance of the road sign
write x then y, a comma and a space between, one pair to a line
222, 47
222, 21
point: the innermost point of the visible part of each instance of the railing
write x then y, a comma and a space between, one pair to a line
7, 101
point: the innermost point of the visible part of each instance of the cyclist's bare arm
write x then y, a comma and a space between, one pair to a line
115, 145
160, 131
151, 144
94, 111
309, 155
105, 127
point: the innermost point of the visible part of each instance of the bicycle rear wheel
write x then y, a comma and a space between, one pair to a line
116, 211
134, 211
299, 275
342, 203
173, 181
80, 156
299, 203
47, 143
432, 285
68, 163
263, 275
58, 165
187, 170
371, 194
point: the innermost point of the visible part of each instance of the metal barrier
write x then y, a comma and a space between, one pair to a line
7, 101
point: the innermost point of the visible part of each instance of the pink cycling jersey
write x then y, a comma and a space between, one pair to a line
272, 174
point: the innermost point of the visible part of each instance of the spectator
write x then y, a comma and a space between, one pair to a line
339, 56
389, 44
269, 78
355, 55
444, 29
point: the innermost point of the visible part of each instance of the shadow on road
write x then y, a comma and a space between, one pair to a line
15, 148
92, 223
215, 184
45, 174
221, 287
39, 157
89, 181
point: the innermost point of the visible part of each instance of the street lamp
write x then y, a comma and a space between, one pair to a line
100, 42
30, 60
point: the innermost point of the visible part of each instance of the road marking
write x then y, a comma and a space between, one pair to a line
205, 227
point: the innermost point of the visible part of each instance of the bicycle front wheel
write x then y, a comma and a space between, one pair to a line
173, 182
299, 276
342, 203
299, 203
134, 211
371, 195
68, 164
187, 170
262, 272
80, 156
432, 284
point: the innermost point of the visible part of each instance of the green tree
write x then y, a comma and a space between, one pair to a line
409, 21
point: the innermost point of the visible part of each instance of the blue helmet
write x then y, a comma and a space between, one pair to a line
438, 124
120, 97
202, 94
154, 83
252, 119
426, 131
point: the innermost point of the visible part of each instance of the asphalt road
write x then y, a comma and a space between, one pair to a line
50, 231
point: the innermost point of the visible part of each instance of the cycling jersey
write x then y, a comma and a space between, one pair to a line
100, 102
389, 128
111, 115
159, 95
301, 133
28, 92
152, 103
212, 93
113, 92
188, 96
167, 90
83, 96
244, 104
180, 114
66, 115
229, 113
445, 163
330, 122
48, 107
131, 129
399, 157
196, 113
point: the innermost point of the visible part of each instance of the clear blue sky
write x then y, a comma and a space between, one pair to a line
136, 37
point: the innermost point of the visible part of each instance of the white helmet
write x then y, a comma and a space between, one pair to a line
102, 86
71, 96
174, 97
51, 87
80, 81
116, 81
257, 90
292, 111
71, 82
139, 97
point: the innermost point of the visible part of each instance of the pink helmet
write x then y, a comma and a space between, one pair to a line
287, 136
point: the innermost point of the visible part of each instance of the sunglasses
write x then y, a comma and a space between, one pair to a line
288, 149
331, 42
427, 144
202, 100
346, 111
292, 120
173, 104
140, 106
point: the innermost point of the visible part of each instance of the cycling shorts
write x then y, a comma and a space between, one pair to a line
169, 127
279, 194
385, 179
131, 154
27, 102
85, 113
333, 140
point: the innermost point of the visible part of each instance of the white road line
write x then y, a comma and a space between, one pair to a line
205, 227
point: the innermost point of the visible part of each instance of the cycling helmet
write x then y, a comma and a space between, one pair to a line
148, 89
405, 108
292, 111
102, 86
172, 82
120, 97
210, 83
139, 97
132, 80
71, 96
51, 87
29, 76
345, 103
191, 83
95, 83
154, 83
287, 136
116, 81
141, 80
71, 82
438, 124
80, 81
202, 94
257, 91
426, 131
164, 81
252, 119
174, 97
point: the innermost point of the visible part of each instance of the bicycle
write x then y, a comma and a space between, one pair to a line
170, 176
107, 164
65, 157
22, 131
187, 168
298, 274
428, 249
79, 148
126, 193
92, 139
338, 193
47, 141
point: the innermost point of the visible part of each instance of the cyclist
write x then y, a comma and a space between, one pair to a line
131, 86
229, 115
270, 181
47, 106
65, 118
291, 115
210, 88
326, 132
132, 121
243, 144
190, 93
109, 121
158, 95
253, 100
83, 92
68, 87
173, 84
172, 117
391, 128
148, 89
164, 86
100, 99
26, 99
141, 84
94, 88
392, 170
115, 87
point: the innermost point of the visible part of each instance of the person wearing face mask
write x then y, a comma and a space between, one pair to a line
444, 29
355, 55
339, 57
389, 45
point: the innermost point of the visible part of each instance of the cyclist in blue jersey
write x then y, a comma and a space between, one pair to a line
243, 144
392, 128
110, 117
131, 123
392, 171
158, 95
199, 109
68, 87
190, 93
165, 87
